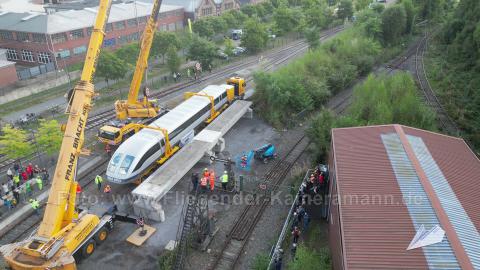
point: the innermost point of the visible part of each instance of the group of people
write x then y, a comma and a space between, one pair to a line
207, 181
316, 184
21, 182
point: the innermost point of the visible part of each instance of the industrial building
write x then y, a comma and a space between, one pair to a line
62, 37
403, 198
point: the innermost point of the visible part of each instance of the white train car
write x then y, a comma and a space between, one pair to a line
138, 153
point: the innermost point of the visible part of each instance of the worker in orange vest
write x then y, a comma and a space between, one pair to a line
79, 189
212, 180
203, 184
206, 173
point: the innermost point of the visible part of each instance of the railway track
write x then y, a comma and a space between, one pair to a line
447, 124
239, 235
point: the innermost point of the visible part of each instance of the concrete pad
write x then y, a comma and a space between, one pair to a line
138, 240
157, 185
171, 245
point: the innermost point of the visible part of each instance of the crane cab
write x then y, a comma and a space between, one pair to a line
239, 86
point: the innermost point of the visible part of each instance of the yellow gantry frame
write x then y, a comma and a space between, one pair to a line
58, 235
213, 112
132, 108
169, 150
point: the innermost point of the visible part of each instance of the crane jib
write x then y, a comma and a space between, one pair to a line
76, 143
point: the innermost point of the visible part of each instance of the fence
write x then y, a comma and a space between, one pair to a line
276, 249
32, 72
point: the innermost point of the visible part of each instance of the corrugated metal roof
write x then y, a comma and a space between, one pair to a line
463, 225
439, 255
376, 236
63, 21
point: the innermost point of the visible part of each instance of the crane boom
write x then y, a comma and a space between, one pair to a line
132, 107
55, 215
61, 232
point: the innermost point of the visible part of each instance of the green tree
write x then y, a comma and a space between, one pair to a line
248, 10
218, 23
173, 60
313, 37
202, 50
228, 47
394, 22
285, 19
162, 41
128, 53
361, 4
255, 37
14, 143
410, 13
345, 9
110, 67
204, 28
49, 136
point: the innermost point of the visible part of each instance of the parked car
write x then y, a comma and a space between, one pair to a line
238, 50
222, 55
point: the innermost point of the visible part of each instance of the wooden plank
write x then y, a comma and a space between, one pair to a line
138, 240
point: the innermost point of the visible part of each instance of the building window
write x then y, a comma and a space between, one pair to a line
142, 20
76, 34
21, 36
12, 54
132, 23
109, 27
6, 35
44, 58
79, 50
122, 40
89, 31
132, 37
40, 38
171, 26
179, 25
178, 13
27, 56
59, 38
109, 42
64, 54
164, 27
228, 5
120, 25
206, 11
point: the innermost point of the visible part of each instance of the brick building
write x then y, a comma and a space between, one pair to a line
402, 198
8, 74
195, 9
62, 37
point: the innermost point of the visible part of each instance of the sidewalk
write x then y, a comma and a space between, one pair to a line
14, 216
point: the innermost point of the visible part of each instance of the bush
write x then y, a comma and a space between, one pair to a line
394, 23
310, 259
377, 101
260, 262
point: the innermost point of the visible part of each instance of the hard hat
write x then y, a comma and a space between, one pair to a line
225, 172
205, 169
31, 200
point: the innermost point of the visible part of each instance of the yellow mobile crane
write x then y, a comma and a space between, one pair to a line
117, 132
62, 232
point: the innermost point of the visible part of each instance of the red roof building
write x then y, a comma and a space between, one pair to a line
390, 182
